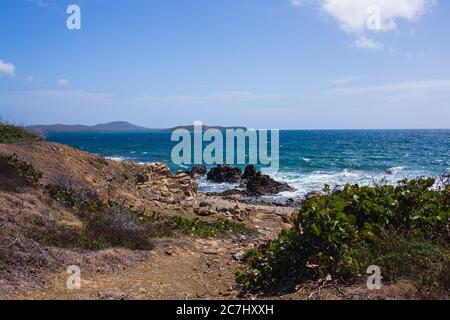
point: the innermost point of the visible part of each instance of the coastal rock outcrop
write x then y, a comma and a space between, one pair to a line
254, 182
224, 173
198, 171
144, 188
206, 206
261, 184
249, 172
205, 209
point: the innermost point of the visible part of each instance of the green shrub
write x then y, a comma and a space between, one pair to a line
204, 229
196, 227
328, 225
421, 261
12, 134
81, 201
25, 170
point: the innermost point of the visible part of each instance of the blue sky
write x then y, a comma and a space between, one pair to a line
298, 64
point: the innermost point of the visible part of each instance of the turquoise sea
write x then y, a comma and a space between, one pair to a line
308, 159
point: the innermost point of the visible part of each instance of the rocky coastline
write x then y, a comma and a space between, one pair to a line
137, 231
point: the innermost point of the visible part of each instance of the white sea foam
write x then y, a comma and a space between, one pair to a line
208, 186
315, 181
395, 170
116, 158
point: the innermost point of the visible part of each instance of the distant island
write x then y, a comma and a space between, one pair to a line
115, 126
191, 128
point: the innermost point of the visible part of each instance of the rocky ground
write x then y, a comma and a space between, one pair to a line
181, 267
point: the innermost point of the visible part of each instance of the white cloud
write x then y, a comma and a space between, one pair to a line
368, 43
361, 16
63, 82
353, 15
7, 69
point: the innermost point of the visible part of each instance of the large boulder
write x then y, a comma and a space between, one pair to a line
261, 184
249, 172
224, 173
198, 171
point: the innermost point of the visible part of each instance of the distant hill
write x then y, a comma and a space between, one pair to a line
116, 126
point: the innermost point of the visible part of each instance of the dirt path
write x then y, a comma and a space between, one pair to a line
176, 269
191, 269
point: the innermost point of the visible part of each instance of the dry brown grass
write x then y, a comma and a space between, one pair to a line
27, 216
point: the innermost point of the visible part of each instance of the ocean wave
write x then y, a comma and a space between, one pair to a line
205, 186
395, 170
314, 181
302, 182
116, 158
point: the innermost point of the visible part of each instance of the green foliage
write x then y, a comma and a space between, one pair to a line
204, 229
12, 134
273, 263
198, 227
78, 201
425, 263
25, 170
328, 225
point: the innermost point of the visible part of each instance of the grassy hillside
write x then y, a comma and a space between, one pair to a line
12, 134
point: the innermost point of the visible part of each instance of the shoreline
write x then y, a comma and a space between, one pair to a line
295, 197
